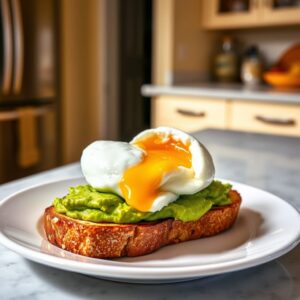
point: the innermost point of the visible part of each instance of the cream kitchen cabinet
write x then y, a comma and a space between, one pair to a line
197, 113
218, 14
272, 14
189, 113
215, 15
263, 117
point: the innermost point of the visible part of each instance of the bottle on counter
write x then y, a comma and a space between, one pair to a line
251, 69
226, 65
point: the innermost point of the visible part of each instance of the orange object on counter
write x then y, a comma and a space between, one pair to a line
282, 79
286, 73
291, 56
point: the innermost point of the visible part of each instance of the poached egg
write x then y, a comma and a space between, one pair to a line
151, 171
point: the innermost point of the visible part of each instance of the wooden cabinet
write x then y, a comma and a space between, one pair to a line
197, 113
189, 113
218, 14
273, 118
272, 14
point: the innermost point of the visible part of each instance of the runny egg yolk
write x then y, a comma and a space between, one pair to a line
140, 183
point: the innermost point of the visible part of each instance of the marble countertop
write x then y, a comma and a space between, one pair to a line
268, 162
224, 91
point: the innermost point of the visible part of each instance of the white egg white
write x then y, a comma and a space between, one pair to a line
103, 164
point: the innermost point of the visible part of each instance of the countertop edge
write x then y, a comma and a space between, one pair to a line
149, 90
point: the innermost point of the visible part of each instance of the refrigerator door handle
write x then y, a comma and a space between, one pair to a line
19, 45
8, 47
13, 115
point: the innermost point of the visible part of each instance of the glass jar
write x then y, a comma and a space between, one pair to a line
251, 69
226, 62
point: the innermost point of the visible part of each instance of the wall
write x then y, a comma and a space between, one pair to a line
271, 41
180, 47
163, 42
81, 55
193, 46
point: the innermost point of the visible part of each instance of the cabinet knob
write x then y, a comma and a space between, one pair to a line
276, 121
190, 113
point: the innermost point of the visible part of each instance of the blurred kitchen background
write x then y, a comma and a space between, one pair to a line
73, 71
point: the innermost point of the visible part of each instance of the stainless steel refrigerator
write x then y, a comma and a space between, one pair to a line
29, 87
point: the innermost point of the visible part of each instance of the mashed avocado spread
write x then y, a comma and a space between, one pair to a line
86, 203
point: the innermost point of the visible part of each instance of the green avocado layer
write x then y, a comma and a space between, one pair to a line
86, 203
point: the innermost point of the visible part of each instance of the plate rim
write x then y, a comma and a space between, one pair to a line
138, 272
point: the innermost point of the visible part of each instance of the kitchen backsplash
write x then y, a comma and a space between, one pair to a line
272, 42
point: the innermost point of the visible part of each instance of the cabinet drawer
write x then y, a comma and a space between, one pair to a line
188, 113
266, 117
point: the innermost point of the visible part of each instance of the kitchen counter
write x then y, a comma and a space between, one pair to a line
224, 91
268, 162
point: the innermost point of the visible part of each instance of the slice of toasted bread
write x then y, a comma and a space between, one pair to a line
108, 240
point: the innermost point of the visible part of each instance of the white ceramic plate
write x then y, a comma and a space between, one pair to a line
267, 227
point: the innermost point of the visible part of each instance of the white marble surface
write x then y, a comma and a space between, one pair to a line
268, 162
224, 91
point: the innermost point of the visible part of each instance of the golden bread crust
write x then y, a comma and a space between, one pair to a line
108, 240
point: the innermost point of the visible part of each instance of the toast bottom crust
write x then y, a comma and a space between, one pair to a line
109, 240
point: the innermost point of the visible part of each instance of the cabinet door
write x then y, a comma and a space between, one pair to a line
273, 118
276, 12
223, 14
189, 113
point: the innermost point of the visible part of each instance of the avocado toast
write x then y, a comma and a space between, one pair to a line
110, 240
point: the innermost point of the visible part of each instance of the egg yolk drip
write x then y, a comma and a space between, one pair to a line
140, 183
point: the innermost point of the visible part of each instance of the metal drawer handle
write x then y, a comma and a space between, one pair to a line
191, 113
276, 121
